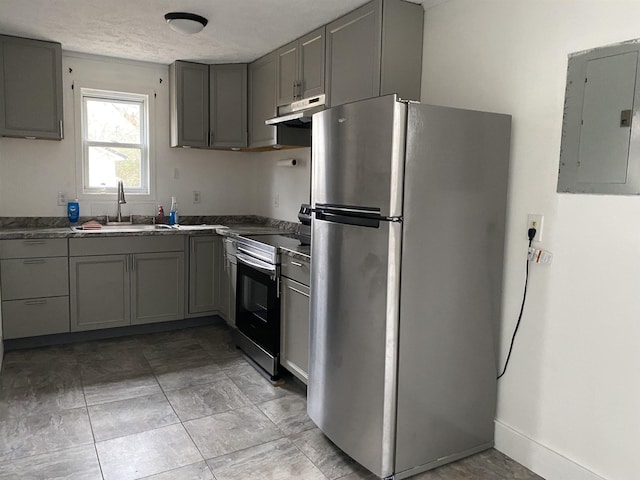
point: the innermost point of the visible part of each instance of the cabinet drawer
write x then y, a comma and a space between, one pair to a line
34, 277
33, 248
123, 245
295, 268
36, 316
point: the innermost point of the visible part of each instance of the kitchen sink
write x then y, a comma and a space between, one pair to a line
143, 228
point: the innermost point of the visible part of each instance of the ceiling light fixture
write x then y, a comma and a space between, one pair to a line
187, 23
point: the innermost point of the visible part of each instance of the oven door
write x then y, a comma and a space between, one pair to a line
257, 303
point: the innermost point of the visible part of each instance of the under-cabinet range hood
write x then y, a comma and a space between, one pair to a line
298, 114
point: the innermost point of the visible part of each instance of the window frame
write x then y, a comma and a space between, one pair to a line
124, 94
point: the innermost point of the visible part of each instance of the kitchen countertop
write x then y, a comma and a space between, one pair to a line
67, 232
233, 230
251, 229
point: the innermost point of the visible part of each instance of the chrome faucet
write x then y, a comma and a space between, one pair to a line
121, 200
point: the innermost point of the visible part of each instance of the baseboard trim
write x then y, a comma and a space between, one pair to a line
545, 462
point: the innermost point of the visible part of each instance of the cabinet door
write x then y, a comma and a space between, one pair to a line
35, 316
228, 108
353, 55
30, 88
228, 290
233, 277
311, 60
189, 99
204, 253
100, 292
157, 287
262, 101
294, 341
287, 74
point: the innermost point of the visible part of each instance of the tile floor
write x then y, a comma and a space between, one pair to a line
174, 405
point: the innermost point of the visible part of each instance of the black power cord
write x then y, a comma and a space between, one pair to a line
531, 233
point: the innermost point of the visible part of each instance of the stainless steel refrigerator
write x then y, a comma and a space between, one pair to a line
407, 249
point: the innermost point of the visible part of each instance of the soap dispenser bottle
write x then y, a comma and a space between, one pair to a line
173, 213
73, 211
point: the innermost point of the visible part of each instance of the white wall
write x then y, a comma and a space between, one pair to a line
572, 391
290, 184
33, 171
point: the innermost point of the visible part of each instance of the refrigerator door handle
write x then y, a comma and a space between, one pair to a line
363, 217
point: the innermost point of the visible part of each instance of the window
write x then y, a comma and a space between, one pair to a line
115, 141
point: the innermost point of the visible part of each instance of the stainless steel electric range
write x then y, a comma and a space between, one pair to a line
258, 298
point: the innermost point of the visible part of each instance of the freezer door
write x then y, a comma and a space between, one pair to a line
353, 337
358, 154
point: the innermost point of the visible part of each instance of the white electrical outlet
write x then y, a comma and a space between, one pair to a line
62, 198
276, 200
535, 220
196, 196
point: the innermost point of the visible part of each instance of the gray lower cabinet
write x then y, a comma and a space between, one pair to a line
205, 257
157, 287
294, 307
262, 101
375, 50
228, 282
35, 287
30, 88
119, 281
100, 292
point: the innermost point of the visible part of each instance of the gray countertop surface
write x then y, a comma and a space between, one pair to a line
303, 251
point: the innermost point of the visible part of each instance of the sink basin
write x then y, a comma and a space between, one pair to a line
123, 228
199, 227
144, 228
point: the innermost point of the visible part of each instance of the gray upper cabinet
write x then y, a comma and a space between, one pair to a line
262, 100
208, 105
30, 88
228, 107
600, 150
375, 50
189, 102
300, 68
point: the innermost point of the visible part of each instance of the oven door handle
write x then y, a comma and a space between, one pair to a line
257, 264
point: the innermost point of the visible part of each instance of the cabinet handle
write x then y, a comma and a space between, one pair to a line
61, 129
35, 302
34, 261
296, 264
33, 242
133, 263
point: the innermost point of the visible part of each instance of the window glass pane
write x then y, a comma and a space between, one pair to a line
108, 164
109, 121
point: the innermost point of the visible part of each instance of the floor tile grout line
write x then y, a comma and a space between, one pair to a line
307, 456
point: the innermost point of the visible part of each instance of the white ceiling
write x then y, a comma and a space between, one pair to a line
238, 30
